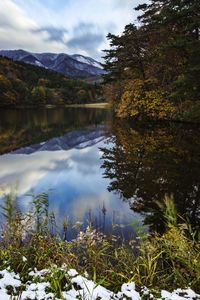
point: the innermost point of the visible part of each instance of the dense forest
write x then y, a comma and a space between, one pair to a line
27, 85
154, 65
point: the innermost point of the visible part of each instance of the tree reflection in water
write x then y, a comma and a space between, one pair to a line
143, 164
19, 128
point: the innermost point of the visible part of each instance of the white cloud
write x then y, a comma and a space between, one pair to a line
19, 31
21, 22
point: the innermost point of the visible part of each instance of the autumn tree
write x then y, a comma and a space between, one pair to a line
7, 95
27, 85
163, 50
39, 95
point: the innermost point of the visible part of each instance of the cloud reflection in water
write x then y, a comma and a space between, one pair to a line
73, 179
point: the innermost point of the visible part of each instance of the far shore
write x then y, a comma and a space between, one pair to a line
103, 105
87, 105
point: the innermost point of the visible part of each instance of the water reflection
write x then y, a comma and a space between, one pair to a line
19, 128
88, 164
73, 182
144, 164
68, 169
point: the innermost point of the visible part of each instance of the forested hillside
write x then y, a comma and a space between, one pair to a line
27, 85
154, 66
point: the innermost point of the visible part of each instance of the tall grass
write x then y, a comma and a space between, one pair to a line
168, 210
164, 261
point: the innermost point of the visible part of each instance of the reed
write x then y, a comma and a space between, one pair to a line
163, 261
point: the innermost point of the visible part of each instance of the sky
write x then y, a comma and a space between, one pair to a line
69, 26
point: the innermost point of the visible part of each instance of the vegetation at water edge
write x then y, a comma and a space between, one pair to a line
157, 261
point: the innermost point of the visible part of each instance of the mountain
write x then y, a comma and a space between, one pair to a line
70, 65
79, 139
23, 84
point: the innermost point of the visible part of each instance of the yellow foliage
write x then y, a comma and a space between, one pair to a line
4, 83
141, 100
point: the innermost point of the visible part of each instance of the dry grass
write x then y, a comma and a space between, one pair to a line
174, 257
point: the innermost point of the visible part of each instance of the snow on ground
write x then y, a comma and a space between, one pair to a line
79, 287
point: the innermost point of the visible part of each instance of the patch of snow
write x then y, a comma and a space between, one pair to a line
39, 64
80, 288
37, 273
179, 294
90, 290
9, 278
37, 291
4, 295
128, 289
87, 60
72, 273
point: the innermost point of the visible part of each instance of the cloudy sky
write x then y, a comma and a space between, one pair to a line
70, 26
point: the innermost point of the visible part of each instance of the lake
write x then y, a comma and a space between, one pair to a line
99, 170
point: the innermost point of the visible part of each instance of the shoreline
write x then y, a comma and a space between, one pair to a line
104, 105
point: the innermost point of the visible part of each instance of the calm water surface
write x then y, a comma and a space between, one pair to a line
97, 169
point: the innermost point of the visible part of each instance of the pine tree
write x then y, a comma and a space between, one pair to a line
160, 57
178, 25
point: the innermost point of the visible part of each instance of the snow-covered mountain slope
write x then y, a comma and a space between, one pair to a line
71, 65
79, 139
87, 60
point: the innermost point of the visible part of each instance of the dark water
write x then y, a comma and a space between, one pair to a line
99, 170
